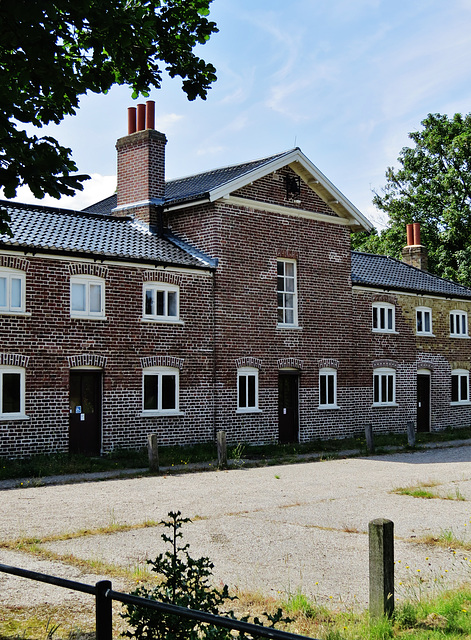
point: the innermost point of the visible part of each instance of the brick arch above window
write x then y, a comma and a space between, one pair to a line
14, 360
87, 360
248, 361
426, 364
384, 364
162, 361
383, 297
290, 363
153, 275
89, 269
328, 363
12, 262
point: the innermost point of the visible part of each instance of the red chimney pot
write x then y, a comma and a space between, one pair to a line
131, 120
141, 117
410, 234
416, 232
150, 114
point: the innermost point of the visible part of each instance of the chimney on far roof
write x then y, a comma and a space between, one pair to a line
141, 167
415, 253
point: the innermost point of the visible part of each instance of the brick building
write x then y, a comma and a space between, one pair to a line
225, 300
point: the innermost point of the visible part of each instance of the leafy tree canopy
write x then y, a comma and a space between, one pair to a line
433, 187
54, 51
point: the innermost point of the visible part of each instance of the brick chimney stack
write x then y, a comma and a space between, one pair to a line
415, 253
141, 167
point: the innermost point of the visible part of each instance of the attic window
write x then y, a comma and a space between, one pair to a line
293, 187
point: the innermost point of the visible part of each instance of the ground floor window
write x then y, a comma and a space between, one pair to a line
12, 392
327, 388
384, 387
160, 390
247, 389
460, 386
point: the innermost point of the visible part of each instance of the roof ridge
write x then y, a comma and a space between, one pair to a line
61, 211
263, 160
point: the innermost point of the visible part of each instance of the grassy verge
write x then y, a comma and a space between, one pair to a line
60, 464
446, 616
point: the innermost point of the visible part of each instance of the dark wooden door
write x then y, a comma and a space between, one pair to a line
288, 419
85, 412
423, 402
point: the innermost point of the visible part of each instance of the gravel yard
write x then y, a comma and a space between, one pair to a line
273, 530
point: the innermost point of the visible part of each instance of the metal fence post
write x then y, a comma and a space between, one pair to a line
381, 551
104, 611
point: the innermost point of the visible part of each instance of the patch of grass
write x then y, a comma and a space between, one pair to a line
421, 490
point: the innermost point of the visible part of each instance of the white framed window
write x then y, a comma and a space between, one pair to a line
287, 293
384, 317
384, 387
87, 297
459, 386
12, 392
161, 301
423, 321
458, 324
327, 388
160, 391
247, 389
12, 291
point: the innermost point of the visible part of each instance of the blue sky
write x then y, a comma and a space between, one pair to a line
345, 80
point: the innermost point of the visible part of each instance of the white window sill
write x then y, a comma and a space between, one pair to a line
460, 403
382, 331
326, 407
250, 410
23, 314
158, 414
146, 319
456, 335
289, 326
13, 416
389, 405
425, 335
75, 316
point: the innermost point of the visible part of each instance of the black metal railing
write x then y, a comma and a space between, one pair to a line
104, 596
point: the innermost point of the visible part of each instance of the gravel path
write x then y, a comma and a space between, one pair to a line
274, 530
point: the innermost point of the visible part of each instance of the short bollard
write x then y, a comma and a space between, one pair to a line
104, 612
411, 434
381, 544
222, 449
370, 444
153, 451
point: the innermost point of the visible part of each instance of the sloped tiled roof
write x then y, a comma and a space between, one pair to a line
388, 273
50, 229
196, 187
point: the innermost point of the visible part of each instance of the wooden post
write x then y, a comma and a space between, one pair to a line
370, 444
153, 451
411, 434
104, 611
381, 545
222, 449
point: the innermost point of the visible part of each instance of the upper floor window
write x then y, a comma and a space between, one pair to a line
161, 301
247, 389
460, 386
384, 387
328, 388
384, 317
459, 324
12, 392
423, 321
287, 294
87, 297
160, 390
12, 291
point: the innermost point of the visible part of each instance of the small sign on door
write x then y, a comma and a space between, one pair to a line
78, 409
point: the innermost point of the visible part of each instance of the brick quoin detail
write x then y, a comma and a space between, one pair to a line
11, 262
86, 360
248, 362
162, 361
14, 360
162, 276
89, 269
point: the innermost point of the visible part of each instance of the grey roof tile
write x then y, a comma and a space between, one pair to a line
389, 273
50, 229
